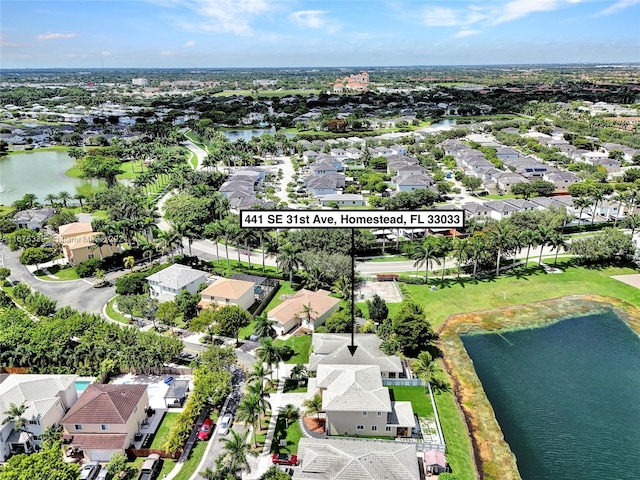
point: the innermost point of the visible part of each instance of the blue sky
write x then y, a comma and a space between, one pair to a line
297, 33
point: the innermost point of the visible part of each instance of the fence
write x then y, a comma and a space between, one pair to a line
275, 287
145, 452
402, 382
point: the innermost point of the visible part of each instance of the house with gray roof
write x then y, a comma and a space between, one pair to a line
343, 199
33, 218
412, 182
332, 349
476, 210
339, 459
521, 204
561, 179
166, 284
500, 209
356, 403
46, 398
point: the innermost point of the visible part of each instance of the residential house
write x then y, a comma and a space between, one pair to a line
290, 313
34, 218
332, 349
168, 283
500, 209
46, 398
354, 153
309, 156
476, 210
561, 179
339, 459
322, 168
507, 179
328, 184
227, 291
406, 183
78, 243
356, 403
105, 419
343, 200
507, 152
521, 204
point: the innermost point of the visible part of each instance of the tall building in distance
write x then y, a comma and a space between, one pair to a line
140, 82
357, 82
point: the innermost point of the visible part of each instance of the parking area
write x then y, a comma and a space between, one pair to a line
156, 389
388, 291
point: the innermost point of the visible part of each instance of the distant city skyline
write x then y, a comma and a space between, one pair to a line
304, 33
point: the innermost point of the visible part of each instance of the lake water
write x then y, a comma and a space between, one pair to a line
566, 396
38, 172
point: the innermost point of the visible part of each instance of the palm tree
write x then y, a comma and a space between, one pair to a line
313, 405
249, 411
461, 252
129, 262
557, 242
169, 241
80, 197
289, 260
307, 311
51, 198
426, 254
269, 353
445, 247
15, 414
476, 249
501, 236
257, 389
298, 372
425, 368
51, 436
342, 287
529, 238
259, 372
596, 197
544, 234
581, 203
99, 240
64, 197
264, 327
633, 222
30, 198
236, 451
289, 412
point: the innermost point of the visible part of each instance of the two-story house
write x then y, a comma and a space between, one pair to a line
46, 398
105, 419
166, 284
228, 291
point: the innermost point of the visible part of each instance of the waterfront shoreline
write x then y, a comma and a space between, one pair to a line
492, 455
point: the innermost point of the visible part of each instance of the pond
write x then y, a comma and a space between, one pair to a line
566, 396
40, 172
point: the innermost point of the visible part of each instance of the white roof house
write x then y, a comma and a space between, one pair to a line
168, 283
46, 398
336, 459
331, 349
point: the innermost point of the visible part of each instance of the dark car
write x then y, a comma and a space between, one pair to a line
205, 430
284, 459
89, 471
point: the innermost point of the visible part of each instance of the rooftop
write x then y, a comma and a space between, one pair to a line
176, 276
105, 404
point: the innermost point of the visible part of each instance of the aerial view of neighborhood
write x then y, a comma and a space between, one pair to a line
320, 240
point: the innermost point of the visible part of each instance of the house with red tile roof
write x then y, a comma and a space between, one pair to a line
105, 419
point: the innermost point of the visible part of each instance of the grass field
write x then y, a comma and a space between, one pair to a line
63, 274
515, 289
168, 421
301, 345
416, 395
293, 434
189, 467
111, 312
455, 436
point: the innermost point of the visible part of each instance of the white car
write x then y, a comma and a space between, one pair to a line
225, 424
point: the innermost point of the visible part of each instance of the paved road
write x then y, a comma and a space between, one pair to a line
78, 294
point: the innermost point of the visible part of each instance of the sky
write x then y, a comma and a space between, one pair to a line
306, 33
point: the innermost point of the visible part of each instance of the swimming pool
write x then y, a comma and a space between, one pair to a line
81, 386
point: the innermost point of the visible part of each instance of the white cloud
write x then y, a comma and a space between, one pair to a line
618, 6
5, 44
224, 16
78, 55
521, 8
56, 36
466, 33
309, 18
190, 43
167, 53
442, 17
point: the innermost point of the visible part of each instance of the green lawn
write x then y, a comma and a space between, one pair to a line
416, 395
131, 170
389, 258
74, 172
161, 435
301, 345
285, 289
516, 289
63, 274
111, 312
189, 466
193, 160
455, 436
293, 434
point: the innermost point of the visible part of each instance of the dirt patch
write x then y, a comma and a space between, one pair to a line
388, 291
315, 425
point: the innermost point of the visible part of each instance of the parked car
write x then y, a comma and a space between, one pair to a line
104, 475
205, 430
284, 459
225, 424
168, 380
89, 471
151, 467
